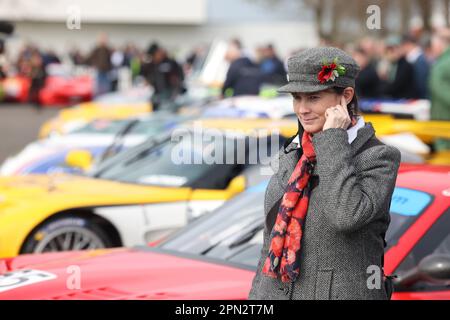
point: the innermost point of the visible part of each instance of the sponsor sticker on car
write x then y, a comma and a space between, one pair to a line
21, 278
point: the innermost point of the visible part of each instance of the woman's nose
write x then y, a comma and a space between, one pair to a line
301, 107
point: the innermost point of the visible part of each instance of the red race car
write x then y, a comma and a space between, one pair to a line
215, 256
63, 91
58, 90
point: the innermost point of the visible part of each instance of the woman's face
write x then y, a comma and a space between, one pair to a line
310, 108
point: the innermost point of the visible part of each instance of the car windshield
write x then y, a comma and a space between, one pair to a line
146, 126
181, 163
406, 206
234, 232
102, 126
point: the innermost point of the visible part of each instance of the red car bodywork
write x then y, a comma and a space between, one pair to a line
434, 180
131, 274
65, 91
58, 91
155, 274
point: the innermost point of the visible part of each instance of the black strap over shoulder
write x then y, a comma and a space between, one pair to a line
288, 141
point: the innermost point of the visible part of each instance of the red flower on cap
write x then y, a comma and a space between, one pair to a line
330, 71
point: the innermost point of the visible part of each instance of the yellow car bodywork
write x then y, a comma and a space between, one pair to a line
426, 131
27, 201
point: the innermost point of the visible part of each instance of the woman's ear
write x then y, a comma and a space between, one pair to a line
349, 93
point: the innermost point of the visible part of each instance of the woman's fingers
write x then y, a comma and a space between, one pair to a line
339, 110
343, 102
337, 116
344, 105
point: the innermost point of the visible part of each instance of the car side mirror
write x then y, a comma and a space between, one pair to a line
434, 269
79, 159
237, 185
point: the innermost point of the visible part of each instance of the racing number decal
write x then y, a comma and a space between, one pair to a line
22, 278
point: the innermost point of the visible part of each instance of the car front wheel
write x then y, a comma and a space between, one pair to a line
66, 234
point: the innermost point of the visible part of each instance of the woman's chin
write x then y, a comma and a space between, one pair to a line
311, 128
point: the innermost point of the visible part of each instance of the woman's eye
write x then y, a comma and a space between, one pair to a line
313, 97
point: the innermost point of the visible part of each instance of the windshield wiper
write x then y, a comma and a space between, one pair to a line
246, 237
117, 142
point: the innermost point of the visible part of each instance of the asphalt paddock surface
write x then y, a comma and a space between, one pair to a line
19, 125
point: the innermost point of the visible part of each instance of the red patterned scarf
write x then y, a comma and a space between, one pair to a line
284, 252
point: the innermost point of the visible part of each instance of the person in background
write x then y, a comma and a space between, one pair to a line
133, 60
425, 44
243, 76
76, 56
271, 66
50, 57
195, 60
3, 61
100, 59
165, 75
398, 80
38, 76
6, 28
117, 61
439, 85
416, 57
367, 81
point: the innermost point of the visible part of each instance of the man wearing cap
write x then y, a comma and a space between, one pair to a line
166, 77
327, 205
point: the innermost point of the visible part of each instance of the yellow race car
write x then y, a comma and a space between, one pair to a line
141, 194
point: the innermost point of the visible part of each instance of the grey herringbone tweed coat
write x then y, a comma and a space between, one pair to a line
347, 217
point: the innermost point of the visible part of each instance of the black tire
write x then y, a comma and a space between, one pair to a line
62, 234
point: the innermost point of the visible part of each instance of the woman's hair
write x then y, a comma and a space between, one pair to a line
353, 106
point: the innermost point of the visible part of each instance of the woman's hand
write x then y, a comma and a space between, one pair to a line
337, 116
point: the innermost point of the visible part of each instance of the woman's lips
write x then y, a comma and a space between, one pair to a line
308, 120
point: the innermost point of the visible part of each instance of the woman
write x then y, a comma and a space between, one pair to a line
327, 205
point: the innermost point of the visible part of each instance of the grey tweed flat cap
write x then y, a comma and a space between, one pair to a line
304, 69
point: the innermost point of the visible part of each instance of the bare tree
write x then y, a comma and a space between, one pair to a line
355, 12
425, 12
447, 12
405, 8
318, 6
342, 14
